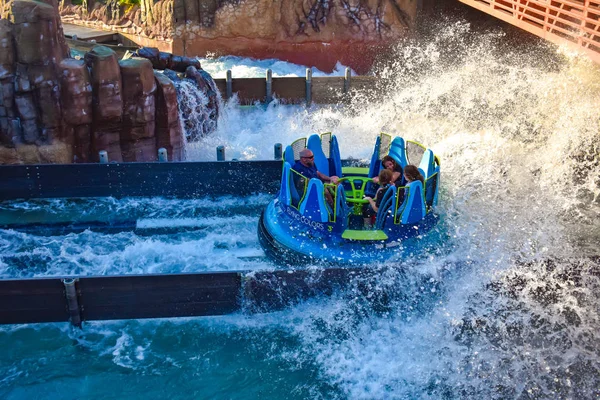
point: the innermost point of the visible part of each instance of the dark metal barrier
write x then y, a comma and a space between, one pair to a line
159, 296
174, 179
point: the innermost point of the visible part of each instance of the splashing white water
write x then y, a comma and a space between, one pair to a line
517, 134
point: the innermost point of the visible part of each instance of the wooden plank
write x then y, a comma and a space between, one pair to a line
222, 86
327, 90
250, 90
365, 86
34, 300
290, 90
87, 34
158, 296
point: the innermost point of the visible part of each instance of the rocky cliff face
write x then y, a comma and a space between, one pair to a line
311, 32
56, 109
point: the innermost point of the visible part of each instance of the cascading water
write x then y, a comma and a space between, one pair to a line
198, 102
502, 308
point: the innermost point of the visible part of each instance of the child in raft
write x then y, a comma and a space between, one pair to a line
385, 178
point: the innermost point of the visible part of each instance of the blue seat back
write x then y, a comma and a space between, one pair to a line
386, 204
431, 189
288, 192
412, 209
398, 151
284, 191
375, 164
314, 145
335, 159
342, 209
427, 164
288, 155
313, 205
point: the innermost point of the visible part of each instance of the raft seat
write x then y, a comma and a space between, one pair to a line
412, 209
321, 161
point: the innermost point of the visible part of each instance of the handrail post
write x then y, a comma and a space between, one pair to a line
229, 84
308, 87
269, 86
221, 153
347, 80
278, 151
163, 155
103, 155
72, 302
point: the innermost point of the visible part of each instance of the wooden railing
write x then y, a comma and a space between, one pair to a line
572, 22
296, 90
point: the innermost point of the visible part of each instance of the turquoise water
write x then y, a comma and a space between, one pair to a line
508, 308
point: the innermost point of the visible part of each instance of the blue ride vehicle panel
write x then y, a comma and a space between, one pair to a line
311, 221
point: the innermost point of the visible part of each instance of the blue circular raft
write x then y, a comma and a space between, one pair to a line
304, 224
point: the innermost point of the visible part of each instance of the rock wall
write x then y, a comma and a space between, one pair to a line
56, 109
310, 32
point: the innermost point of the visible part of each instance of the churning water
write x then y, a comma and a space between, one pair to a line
508, 308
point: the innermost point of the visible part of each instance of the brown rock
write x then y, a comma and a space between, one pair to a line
48, 100
171, 138
10, 132
106, 84
181, 64
138, 91
134, 133
9, 156
7, 54
76, 93
28, 154
168, 128
143, 150
7, 97
56, 153
167, 111
82, 144
27, 11
106, 138
25, 106
42, 75
34, 42
30, 130
22, 83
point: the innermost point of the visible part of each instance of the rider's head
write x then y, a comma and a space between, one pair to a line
389, 163
385, 176
307, 158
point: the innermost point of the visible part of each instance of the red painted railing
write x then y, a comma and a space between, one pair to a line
572, 22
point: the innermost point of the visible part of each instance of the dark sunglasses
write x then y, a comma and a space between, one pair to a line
310, 158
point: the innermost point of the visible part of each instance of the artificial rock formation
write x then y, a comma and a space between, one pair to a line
309, 32
56, 109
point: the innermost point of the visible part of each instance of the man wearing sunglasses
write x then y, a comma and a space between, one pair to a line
307, 168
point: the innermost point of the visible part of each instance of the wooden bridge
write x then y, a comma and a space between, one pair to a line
575, 23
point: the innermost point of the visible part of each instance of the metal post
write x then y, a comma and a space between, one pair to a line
269, 86
308, 86
221, 153
229, 84
163, 155
103, 157
347, 81
72, 303
278, 151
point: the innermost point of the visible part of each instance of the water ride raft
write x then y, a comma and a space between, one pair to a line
300, 226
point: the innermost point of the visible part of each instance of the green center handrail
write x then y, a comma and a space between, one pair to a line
356, 195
